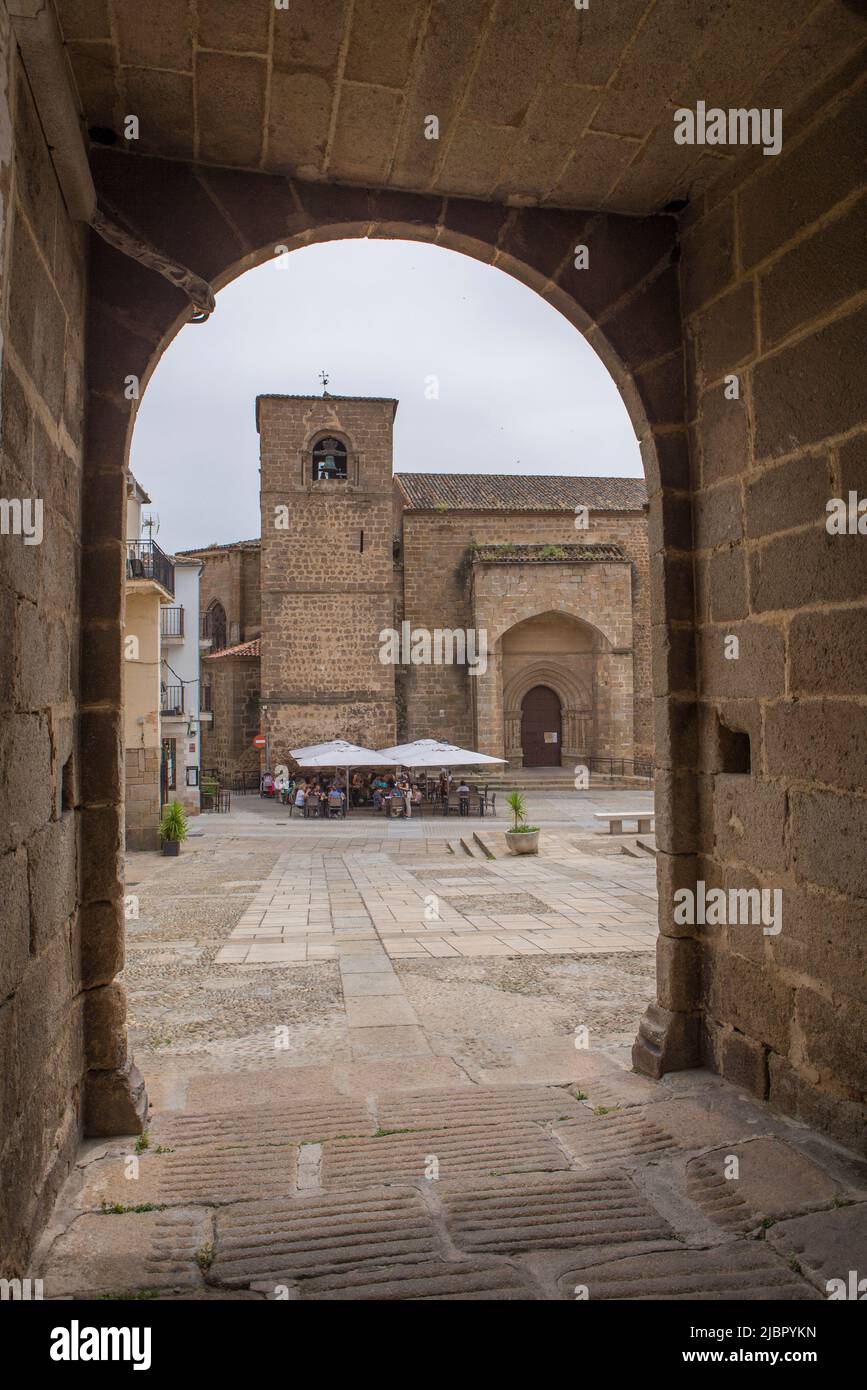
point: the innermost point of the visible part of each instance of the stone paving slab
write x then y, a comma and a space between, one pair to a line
428, 1279
264, 1126
461, 1151
773, 1181
827, 1245
282, 1239
622, 1137
127, 1253
743, 1270
430, 1109
550, 1213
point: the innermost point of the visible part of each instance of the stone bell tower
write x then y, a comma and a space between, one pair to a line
326, 569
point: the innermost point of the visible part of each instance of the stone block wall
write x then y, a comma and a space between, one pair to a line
326, 573
228, 743
142, 772
773, 280
43, 982
437, 593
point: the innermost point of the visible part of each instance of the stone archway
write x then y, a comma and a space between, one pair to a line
221, 222
576, 705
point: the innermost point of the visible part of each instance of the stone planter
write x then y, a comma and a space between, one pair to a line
523, 842
172, 848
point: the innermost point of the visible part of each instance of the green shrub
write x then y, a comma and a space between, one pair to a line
173, 825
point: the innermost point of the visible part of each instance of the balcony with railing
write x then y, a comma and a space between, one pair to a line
172, 623
145, 560
172, 699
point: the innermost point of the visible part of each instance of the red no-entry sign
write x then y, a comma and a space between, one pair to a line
259, 741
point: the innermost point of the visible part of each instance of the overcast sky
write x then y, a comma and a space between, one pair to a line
519, 389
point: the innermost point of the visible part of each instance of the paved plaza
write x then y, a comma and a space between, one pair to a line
384, 1065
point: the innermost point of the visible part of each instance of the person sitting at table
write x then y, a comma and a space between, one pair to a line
416, 795
336, 799
464, 799
397, 800
378, 786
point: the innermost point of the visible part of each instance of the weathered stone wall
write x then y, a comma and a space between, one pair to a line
437, 593
773, 286
43, 1013
142, 799
235, 682
326, 573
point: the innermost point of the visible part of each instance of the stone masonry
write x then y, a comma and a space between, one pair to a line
704, 264
501, 574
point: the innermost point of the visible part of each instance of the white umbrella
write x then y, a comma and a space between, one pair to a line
339, 753
432, 752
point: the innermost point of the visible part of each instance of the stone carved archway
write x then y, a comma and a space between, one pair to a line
576, 703
221, 222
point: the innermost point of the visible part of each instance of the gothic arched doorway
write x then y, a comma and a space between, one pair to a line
541, 727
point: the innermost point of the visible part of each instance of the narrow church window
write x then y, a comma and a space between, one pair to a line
361, 542
329, 460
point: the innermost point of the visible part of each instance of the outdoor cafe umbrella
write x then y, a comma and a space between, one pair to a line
432, 752
339, 754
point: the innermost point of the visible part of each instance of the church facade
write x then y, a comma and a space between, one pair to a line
504, 613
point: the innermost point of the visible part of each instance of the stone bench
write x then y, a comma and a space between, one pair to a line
615, 820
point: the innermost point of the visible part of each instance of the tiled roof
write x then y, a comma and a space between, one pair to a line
244, 649
230, 545
581, 553
500, 492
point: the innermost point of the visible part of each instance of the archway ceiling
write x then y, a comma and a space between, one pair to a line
537, 102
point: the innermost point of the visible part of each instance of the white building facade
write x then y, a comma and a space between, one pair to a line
180, 714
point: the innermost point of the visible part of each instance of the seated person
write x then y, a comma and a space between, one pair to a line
464, 799
336, 798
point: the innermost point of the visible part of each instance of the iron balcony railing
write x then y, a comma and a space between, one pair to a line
172, 622
145, 560
172, 699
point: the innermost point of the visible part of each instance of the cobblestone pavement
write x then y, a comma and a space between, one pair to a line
367, 1118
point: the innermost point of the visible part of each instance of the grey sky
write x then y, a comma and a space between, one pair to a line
519, 389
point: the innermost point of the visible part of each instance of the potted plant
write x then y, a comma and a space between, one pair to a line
522, 838
173, 828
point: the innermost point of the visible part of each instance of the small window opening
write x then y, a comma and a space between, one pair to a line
361, 543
